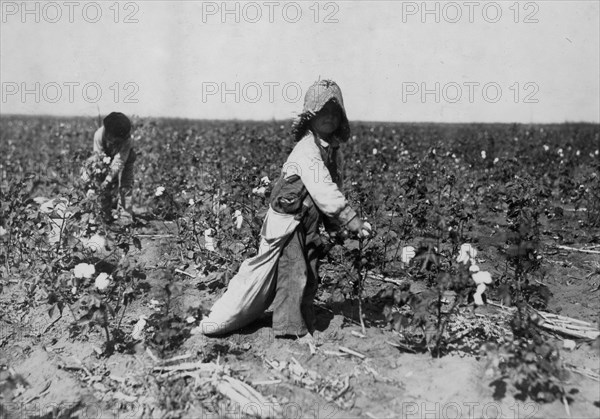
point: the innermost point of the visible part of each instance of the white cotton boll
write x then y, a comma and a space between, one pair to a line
483, 154
209, 240
102, 281
467, 252
191, 202
546, 148
478, 296
138, 329
407, 254
367, 230
482, 277
106, 160
239, 219
374, 151
496, 160
159, 191
260, 191
94, 243
84, 270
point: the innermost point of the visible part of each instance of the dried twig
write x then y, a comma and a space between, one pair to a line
384, 279
562, 324
188, 366
179, 271
401, 346
154, 358
266, 382
574, 249
585, 372
335, 353
351, 352
177, 358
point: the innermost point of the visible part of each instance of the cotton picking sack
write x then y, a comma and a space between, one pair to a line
251, 290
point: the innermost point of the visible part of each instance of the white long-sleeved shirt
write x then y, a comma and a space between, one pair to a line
306, 161
119, 153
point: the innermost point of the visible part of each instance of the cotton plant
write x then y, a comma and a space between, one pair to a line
95, 170
262, 188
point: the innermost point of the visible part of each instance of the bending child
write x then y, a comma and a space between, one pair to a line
113, 139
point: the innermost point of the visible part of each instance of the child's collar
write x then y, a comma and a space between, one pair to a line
332, 142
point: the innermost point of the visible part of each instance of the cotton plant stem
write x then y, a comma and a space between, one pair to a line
361, 278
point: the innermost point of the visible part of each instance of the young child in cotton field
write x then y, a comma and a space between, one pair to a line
113, 142
310, 187
307, 193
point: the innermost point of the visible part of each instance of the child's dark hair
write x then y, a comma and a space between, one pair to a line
117, 124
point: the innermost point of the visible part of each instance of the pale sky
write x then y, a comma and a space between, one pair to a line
481, 61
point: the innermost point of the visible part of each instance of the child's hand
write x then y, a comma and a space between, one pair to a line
359, 227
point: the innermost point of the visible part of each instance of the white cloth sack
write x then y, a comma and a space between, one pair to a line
250, 291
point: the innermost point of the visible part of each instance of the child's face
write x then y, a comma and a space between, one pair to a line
327, 119
113, 138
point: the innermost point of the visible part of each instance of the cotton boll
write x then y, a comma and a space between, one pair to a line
209, 241
239, 219
260, 191
95, 243
482, 277
102, 281
478, 296
467, 253
367, 230
84, 270
138, 329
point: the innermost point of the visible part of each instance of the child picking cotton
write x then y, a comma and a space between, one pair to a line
284, 275
113, 145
